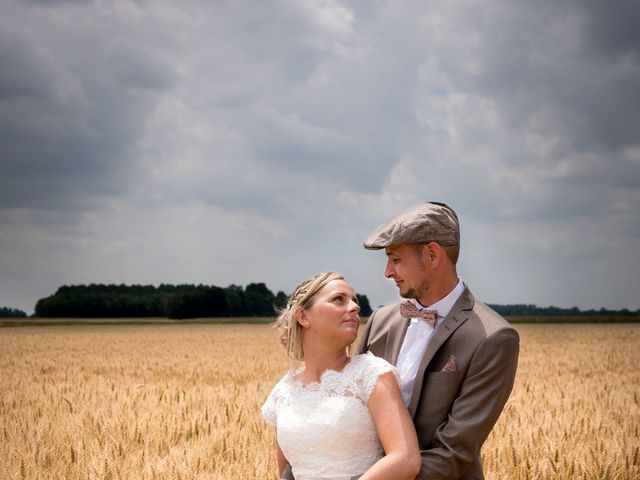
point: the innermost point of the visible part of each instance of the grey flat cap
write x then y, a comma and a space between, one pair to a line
427, 222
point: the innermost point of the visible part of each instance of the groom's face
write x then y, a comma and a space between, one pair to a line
406, 267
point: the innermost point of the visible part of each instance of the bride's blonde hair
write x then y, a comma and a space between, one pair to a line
302, 298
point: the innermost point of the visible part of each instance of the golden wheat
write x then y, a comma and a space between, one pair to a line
183, 402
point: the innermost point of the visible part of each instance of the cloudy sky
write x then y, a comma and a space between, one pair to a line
242, 141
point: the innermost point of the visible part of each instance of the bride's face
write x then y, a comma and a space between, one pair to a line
334, 313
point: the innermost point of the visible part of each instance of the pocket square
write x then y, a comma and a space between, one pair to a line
450, 366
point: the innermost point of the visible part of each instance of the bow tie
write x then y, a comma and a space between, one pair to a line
409, 310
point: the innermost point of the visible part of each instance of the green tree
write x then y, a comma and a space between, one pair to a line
259, 300
234, 296
365, 308
281, 299
11, 312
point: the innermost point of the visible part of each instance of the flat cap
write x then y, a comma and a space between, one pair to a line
427, 222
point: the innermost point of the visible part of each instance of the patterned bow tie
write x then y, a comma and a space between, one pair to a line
409, 310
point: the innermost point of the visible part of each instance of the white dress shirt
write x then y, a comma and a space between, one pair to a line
417, 339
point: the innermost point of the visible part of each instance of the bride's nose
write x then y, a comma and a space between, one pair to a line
353, 306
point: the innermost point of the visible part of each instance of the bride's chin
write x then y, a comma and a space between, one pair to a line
347, 342
352, 338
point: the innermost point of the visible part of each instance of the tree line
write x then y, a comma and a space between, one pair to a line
192, 301
524, 310
172, 301
11, 312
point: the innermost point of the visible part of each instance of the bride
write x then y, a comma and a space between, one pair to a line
337, 417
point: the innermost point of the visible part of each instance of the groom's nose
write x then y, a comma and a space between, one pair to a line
389, 270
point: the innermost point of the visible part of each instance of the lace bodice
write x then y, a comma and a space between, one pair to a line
325, 429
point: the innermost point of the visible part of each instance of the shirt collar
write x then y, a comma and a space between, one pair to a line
445, 304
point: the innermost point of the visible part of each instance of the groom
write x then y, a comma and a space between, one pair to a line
458, 365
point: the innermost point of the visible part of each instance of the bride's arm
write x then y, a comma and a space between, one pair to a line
396, 431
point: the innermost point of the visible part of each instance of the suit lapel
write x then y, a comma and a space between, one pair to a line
395, 337
457, 316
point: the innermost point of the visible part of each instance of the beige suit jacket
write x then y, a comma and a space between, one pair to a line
453, 411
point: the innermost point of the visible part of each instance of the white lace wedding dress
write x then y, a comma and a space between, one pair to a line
325, 429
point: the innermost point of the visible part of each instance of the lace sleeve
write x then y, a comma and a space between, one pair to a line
270, 407
373, 368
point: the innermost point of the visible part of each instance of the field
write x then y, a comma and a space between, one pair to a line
183, 401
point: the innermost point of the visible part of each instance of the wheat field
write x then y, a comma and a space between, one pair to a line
183, 402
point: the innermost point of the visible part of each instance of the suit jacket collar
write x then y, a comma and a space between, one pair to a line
456, 317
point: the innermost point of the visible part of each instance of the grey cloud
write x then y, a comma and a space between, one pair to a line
331, 117
51, 3
573, 56
544, 115
139, 69
157, 135
22, 75
70, 116
611, 28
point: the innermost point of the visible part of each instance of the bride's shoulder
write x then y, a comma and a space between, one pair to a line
285, 381
368, 361
368, 369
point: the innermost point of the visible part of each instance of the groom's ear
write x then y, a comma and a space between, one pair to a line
433, 254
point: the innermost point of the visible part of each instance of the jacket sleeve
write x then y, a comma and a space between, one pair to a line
483, 394
287, 475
